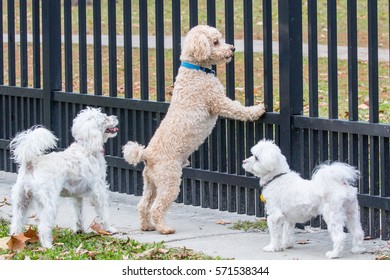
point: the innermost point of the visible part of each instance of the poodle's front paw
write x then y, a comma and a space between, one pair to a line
332, 254
257, 112
271, 248
358, 250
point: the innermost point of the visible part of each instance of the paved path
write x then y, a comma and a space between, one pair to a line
342, 51
197, 229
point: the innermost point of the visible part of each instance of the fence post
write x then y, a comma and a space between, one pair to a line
290, 75
51, 56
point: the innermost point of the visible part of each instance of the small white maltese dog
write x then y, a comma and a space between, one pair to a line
289, 199
77, 172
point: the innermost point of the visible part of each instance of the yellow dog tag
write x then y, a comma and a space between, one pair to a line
262, 198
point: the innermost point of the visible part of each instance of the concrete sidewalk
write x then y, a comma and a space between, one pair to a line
196, 229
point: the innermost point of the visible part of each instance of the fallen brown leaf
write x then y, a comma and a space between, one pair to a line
79, 248
3, 243
32, 234
17, 242
7, 256
162, 251
222, 222
98, 228
4, 202
382, 257
302, 242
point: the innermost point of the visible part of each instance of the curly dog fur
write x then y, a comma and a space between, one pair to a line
77, 172
197, 101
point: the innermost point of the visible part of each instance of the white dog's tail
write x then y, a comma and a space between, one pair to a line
133, 152
28, 145
336, 172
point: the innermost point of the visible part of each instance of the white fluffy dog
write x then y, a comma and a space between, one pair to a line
289, 199
77, 172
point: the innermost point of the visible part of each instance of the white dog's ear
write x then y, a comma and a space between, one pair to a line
270, 160
88, 136
200, 47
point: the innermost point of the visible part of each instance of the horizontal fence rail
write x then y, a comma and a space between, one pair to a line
325, 91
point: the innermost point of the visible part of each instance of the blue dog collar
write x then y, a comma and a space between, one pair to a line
197, 67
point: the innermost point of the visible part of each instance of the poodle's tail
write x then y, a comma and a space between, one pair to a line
336, 173
28, 145
133, 152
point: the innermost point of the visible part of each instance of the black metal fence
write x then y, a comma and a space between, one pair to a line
56, 59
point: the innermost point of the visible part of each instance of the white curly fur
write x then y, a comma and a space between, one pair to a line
198, 99
291, 199
77, 172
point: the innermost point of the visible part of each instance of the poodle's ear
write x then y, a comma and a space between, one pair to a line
270, 160
88, 136
95, 140
200, 47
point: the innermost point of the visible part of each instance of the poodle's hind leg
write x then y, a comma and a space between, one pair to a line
47, 212
78, 206
168, 188
20, 203
355, 228
335, 225
288, 235
100, 198
144, 206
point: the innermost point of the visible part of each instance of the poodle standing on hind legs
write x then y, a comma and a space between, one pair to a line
198, 99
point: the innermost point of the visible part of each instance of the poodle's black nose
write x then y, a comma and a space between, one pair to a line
233, 49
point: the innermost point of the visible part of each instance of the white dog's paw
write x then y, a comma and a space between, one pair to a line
271, 248
358, 250
111, 229
288, 245
332, 255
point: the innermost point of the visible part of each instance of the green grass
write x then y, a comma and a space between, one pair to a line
363, 88
258, 225
362, 19
90, 246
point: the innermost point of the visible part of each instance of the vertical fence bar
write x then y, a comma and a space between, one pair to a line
353, 78
36, 44
373, 81
160, 61
206, 187
176, 36
112, 48
68, 46
128, 51
268, 55
332, 73
51, 33
23, 43
82, 47
364, 181
144, 64
11, 42
385, 185
313, 89
193, 13
230, 92
211, 12
249, 92
97, 47
290, 76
